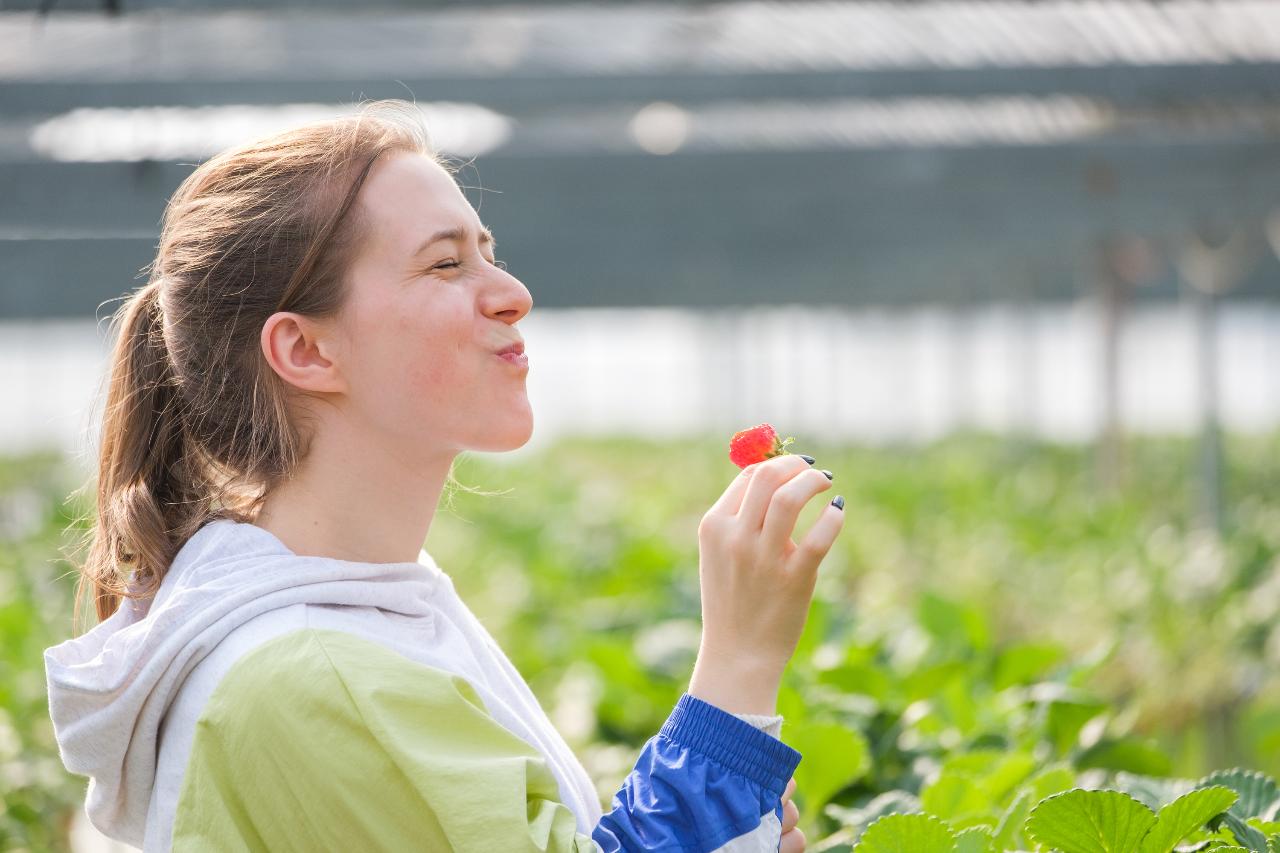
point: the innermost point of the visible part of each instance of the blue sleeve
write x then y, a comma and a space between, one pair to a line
705, 779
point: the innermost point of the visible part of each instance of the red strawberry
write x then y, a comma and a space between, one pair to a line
756, 445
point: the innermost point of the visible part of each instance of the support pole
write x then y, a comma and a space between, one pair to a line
1113, 297
1212, 260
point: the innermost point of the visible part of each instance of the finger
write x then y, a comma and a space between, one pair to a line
817, 542
790, 789
763, 482
732, 498
784, 510
790, 816
792, 842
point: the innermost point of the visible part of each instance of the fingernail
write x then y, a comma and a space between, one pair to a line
830, 476
808, 459
838, 503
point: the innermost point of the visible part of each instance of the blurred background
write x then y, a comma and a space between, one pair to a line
1008, 268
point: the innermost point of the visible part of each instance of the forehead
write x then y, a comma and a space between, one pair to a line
408, 196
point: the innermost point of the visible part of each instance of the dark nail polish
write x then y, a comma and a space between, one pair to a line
830, 476
838, 503
808, 459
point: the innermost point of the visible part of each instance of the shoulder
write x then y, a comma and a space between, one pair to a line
331, 733
340, 672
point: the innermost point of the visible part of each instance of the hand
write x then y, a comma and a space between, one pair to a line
792, 837
756, 583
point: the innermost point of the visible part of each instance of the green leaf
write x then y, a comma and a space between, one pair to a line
1185, 815
1005, 775
1009, 831
1249, 837
1156, 792
976, 783
974, 840
1065, 719
954, 795
1080, 821
890, 802
956, 624
1024, 663
1050, 780
907, 833
1258, 792
859, 678
840, 756
1127, 754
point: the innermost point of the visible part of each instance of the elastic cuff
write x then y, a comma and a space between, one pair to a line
732, 742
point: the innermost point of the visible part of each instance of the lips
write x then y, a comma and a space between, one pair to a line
517, 348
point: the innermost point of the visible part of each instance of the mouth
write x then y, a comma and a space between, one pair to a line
515, 349
514, 354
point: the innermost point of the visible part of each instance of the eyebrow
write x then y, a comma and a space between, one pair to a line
458, 234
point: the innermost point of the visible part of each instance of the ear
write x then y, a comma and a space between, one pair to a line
300, 350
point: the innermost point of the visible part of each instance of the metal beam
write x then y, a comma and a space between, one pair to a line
532, 93
713, 229
112, 7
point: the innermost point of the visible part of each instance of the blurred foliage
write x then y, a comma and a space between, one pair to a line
35, 612
992, 628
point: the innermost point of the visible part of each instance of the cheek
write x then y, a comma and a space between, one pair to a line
431, 356
427, 375
413, 352
389, 363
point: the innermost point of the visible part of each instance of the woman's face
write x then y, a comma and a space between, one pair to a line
424, 319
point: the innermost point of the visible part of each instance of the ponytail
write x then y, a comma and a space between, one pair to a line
143, 497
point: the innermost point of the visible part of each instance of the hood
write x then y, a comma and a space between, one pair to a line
109, 688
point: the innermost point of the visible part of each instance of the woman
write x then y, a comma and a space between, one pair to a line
280, 666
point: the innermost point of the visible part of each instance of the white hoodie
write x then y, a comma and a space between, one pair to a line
124, 697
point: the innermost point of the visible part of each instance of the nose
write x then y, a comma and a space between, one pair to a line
511, 300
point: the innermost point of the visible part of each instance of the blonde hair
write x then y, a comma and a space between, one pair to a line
195, 424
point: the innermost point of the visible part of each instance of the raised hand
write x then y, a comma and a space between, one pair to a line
757, 583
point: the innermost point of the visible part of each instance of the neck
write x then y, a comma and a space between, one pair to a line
351, 499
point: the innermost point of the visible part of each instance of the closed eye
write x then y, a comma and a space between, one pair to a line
502, 265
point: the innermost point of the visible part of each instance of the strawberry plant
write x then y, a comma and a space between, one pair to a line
1226, 812
999, 656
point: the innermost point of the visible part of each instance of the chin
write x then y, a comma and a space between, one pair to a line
516, 434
